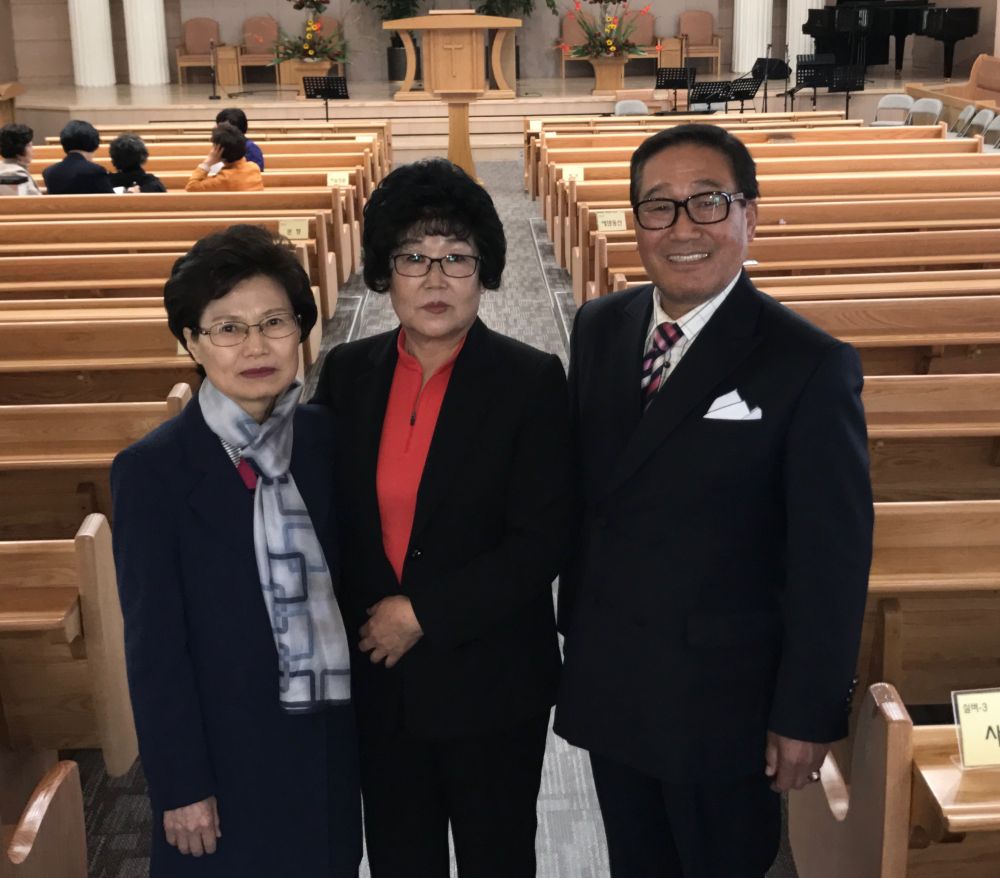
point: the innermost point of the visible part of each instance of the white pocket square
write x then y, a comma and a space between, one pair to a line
730, 407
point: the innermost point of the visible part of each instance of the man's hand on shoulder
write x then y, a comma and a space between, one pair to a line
791, 763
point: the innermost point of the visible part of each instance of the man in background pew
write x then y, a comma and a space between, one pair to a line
713, 608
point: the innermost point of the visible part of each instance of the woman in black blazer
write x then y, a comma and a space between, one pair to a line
453, 463
235, 646
78, 173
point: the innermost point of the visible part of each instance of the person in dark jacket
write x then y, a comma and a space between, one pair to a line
235, 646
236, 117
454, 466
128, 155
78, 173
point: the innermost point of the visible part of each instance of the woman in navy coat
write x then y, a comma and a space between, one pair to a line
240, 690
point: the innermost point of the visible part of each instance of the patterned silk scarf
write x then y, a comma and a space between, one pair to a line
313, 657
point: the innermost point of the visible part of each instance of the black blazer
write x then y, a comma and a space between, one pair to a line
74, 175
719, 583
138, 177
489, 536
201, 659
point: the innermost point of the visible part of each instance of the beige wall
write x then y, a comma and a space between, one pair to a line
42, 47
8, 62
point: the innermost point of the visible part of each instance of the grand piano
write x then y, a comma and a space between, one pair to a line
858, 31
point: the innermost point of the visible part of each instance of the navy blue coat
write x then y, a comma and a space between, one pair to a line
75, 175
202, 664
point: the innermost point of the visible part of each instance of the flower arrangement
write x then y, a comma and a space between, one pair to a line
313, 45
607, 34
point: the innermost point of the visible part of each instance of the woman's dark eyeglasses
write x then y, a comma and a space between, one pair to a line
703, 208
452, 265
230, 333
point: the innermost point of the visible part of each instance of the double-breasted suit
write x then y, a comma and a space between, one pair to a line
719, 580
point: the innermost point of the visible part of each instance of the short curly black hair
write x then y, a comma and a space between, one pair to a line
79, 135
14, 140
234, 116
232, 141
431, 197
697, 134
217, 263
128, 152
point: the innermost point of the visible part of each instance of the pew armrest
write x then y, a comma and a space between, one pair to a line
49, 841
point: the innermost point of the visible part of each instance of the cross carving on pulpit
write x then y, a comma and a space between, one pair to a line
453, 48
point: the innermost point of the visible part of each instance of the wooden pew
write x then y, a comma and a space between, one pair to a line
617, 265
613, 164
128, 235
778, 178
553, 135
933, 605
779, 219
279, 168
90, 361
62, 661
896, 804
343, 235
882, 285
47, 839
933, 437
350, 143
55, 459
125, 308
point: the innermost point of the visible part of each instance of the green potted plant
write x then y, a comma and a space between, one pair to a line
389, 10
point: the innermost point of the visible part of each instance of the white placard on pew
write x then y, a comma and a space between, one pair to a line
534, 124
338, 178
610, 220
294, 229
977, 716
573, 172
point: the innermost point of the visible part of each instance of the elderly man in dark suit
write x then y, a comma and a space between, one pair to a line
713, 608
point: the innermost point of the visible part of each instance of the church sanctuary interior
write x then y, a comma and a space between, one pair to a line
875, 127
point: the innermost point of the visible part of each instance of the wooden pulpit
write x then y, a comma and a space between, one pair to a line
454, 65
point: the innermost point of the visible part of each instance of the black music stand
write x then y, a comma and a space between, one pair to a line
327, 88
745, 89
674, 78
811, 71
709, 93
847, 79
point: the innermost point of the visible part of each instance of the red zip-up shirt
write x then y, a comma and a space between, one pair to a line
410, 419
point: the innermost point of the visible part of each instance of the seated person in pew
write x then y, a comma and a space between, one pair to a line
78, 173
225, 547
229, 147
128, 155
235, 116
713, 610
15, 151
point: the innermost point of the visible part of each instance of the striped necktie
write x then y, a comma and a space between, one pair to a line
654, 361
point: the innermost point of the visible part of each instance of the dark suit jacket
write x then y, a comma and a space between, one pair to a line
718, 586
74, 175
489, 536
201, 659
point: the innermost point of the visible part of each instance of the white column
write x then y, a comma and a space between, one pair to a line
798, 42
146, 34
90, 33
751, 33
